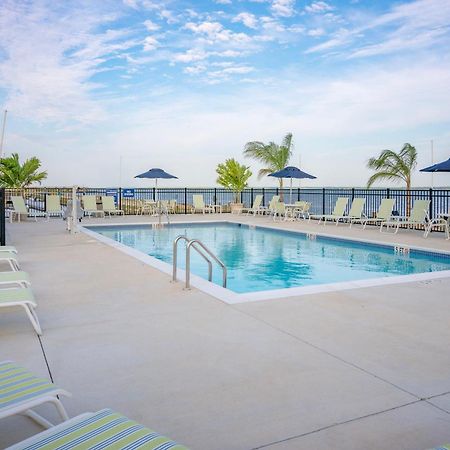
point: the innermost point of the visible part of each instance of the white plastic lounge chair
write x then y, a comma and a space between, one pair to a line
271, 208
20, 278
418, 216
8, 248
90, 206
442, 221
103, 429
279, 210
21, 391
11, 259
256, 207
21, 297
19, 208
109, 206
199, 204
172, 206
301, 209
356, 210
53, 206
337, 214
383, 214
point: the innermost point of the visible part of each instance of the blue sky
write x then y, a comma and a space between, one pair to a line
101, 91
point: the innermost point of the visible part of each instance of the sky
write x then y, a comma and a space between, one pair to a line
103, 90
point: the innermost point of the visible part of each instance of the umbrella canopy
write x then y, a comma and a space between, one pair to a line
155, 173
291, 172
439, 167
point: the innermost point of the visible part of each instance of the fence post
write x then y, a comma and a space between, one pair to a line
264, 197
185, 200
323, 200
251, 198
388, 193
353, 194
120, 197
215, 196
2, 216
298, 194
431, 203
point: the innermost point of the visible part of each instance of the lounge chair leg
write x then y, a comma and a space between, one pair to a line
38, 418
29, 309
60, 407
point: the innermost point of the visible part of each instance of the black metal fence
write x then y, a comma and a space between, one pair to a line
2, 217
322, 199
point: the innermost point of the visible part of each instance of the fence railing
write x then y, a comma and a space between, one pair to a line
322, 199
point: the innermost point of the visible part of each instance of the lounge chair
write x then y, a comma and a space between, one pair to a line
356, 210
172, 206
383, 214
301, 209
418, 216
53, 206
100, 430
109, 207
8, 248
439, 222
337, 214
271, 208
90, 206
21, 391
199, 205
256, 207
280, 210
19, 208
21, 297
11, 259
18, 277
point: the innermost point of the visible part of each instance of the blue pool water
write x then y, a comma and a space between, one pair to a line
260, 259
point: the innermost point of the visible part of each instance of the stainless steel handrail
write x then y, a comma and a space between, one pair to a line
175, 257
190, 244
199, 247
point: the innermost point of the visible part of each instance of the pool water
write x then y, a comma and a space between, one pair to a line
261, 259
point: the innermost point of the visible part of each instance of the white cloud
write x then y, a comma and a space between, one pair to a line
318, 7
150, 43
151, 26
283, 8
249, 20
316, 32
190, 55
223, 2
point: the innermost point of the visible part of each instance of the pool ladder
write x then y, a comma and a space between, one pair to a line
204, 252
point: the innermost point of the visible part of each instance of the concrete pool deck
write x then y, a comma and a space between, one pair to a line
364, 368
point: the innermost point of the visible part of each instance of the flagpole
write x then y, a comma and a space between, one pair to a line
3, 133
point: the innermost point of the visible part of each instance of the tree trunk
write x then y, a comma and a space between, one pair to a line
408, 197
280, 181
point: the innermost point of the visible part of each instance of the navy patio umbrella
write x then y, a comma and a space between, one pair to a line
291, 172
155, 173
439, 167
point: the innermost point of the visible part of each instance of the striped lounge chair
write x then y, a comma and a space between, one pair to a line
21, 390
104, 429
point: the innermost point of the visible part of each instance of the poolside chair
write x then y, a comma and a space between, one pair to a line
280, 210
21, 297
337, 214
53, 206
418, 216
439, 222
383, 214
21, 391
8, 248
199, 205
109, 207
271, 208
20, 278
100, 430
19, 208
356, 210
90, 206
172, 206
301, 209
256, 207
11, 259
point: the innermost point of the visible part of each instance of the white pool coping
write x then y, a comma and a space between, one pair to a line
231, 297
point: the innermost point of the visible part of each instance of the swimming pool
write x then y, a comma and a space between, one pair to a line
261, 259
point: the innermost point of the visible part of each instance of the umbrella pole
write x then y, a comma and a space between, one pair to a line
290, 193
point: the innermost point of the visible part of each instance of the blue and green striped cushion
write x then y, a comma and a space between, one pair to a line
105, 429
442, 447
18, 385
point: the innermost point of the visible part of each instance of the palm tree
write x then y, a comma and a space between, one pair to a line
233, 176
275, 157
16, 175
395, 166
